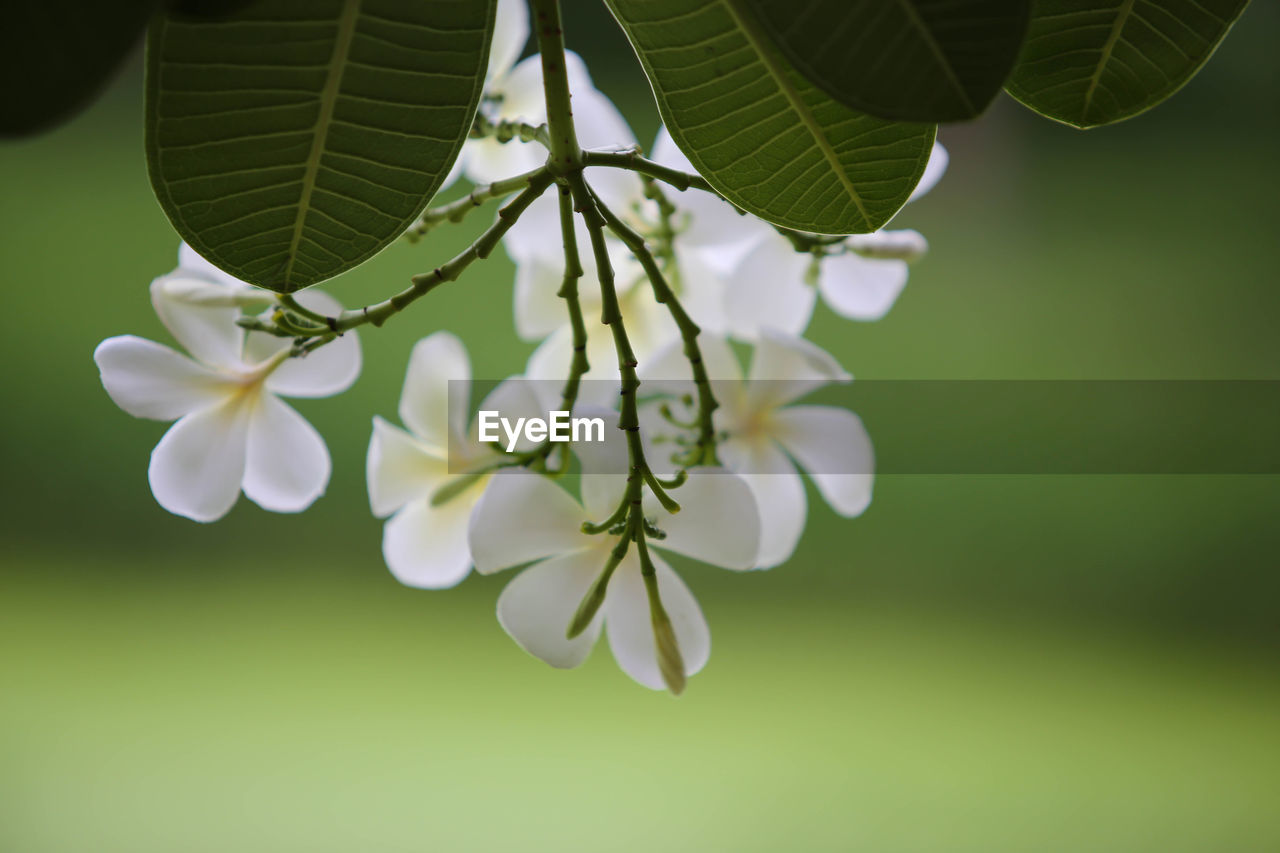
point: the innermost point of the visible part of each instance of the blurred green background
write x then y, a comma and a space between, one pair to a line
979, 663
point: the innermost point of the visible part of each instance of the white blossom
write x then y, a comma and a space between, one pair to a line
775, 286
233, 432
767, 438
425, 540
526, 518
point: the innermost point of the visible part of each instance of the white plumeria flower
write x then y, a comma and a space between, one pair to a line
198, 282
510, 35
772, 285
233, 432
525, 518
767, 438
425, 542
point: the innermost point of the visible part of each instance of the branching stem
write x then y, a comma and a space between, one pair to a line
705, 450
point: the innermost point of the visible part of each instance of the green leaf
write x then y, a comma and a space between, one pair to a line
295, 139
57, 55
1093, 62
758, 131
911, 60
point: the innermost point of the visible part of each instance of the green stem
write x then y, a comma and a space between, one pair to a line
296, 307
611, 316
569, 293
705, 451
457, 210
578, 365
504, 131
590, 604
566, 154
633, 162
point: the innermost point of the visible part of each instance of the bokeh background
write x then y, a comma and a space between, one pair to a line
979, 663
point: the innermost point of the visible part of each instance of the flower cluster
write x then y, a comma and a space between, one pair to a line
640, 295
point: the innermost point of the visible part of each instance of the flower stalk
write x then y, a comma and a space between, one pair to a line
457, 210
705, 450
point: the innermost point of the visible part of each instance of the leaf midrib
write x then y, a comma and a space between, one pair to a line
328, 100
748, 26
1117, 27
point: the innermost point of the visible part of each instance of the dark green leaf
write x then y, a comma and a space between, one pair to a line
56, 55
295, 139
1092, 62
758, 131
911, 60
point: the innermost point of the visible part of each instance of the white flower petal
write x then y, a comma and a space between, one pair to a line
437, 391
702, 291
488, 160
426, 546
550, 362
287, 466
832, 445
861, 288
785, 368
537, 606
523, 517
535, 237
197, 467
539, 310
604, 465
329, 370
522, 93
149, 380
400, 469
191, 261
768, 290
670, 364
513, 398
666, 152
451, 177
601, 125
208, 332
630, 628
933, 171
510, 33
183, 286
669, 371
718, 521
778, 491
649, 324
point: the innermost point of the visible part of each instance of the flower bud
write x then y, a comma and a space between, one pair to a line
905, 245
